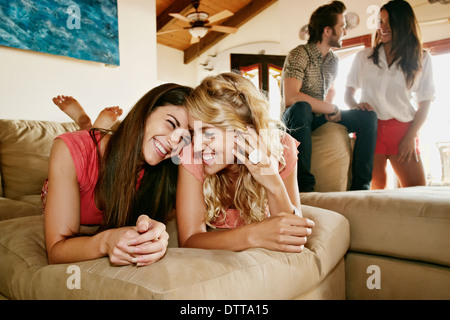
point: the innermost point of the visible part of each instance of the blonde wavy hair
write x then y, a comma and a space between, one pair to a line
230, 101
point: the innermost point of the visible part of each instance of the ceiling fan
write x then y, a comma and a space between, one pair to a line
200, 23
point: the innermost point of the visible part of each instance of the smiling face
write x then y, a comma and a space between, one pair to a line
214, 145
384, 28
166, 133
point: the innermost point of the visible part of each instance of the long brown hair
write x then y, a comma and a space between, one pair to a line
116, 193
406, 46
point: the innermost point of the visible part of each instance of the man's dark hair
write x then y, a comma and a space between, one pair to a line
324, 16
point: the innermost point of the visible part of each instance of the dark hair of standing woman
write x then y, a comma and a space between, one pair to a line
406, 43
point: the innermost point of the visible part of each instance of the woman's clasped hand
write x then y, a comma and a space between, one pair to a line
141, 245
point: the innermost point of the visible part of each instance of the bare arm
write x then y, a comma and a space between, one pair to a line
349, 97
292, 94
282, 194
283, 232
420, 117
62, 214
331, 94
62, 223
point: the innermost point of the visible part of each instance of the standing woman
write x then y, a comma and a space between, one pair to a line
117, 180
388, 75
241, 177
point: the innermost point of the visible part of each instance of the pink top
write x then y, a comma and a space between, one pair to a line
233, 218
85, 158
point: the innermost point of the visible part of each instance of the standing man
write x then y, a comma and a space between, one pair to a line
308, 78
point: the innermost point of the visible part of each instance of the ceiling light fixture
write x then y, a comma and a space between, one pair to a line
198, 32
200, 23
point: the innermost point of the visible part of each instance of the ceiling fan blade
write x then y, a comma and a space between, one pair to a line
179, 16
224, 29
168, 31
194, 40
220, 16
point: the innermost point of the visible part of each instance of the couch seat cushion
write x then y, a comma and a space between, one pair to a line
181, 274
410, 223
10, 209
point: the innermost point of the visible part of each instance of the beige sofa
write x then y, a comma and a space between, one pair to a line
405, 233
317, 273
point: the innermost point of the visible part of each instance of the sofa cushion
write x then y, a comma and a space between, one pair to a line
24, 153
409, 223
398, 279
1, 186
181, 274
10, 209
331, 157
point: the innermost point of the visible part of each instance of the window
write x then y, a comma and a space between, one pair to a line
265, 73
436, 129
350, 47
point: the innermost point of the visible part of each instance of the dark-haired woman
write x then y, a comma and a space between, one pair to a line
123, 181
388, 76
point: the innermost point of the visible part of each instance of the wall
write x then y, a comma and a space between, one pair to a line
28, 80
262, 33
435, 11
295, 16
186, 74
296, 13
264, 36
276, 31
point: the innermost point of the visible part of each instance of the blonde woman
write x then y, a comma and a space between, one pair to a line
240, 176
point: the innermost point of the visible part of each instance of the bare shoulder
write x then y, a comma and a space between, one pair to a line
61, 159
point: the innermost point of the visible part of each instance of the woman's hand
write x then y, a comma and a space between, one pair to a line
284, 232
144, 244
407, 150
282, 193
363, 106
265, 169
349, 97
151, 244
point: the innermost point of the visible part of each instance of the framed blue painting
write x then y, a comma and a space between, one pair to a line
81, 29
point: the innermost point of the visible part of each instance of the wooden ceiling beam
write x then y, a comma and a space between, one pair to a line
238, 19
179, 6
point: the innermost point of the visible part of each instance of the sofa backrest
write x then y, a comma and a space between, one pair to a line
24, 154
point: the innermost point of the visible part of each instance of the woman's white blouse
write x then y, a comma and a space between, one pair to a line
385, 88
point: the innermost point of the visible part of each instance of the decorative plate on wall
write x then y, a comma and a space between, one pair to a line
303, 33
352, 20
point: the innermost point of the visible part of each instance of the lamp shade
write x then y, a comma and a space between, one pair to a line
198, 32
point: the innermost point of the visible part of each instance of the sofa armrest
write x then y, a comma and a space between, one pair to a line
408, 223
